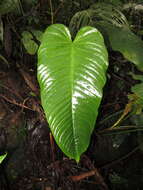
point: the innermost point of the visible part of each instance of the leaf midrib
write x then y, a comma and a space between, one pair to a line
72, 87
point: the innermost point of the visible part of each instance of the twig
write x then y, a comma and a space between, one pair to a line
13, 92
121, 159
29, 82
59, 7
127, 109
15, 103
95, 171
51, 9
82, 176
121, 78
99, 178
52, 148
21, 8
120, 130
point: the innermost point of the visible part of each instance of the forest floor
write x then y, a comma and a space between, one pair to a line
34, 161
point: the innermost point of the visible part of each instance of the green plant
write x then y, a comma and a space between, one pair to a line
137, 96
7, 6
2, 157
115, 28
71, 75
28, 40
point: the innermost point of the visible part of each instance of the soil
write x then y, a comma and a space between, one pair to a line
34, 161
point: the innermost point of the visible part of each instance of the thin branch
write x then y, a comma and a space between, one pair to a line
99, 178
121, 159
15, 103
51, 9
83, 176
12, 91
95, 171
52, 148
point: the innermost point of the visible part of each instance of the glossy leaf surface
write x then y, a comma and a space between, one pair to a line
71, 75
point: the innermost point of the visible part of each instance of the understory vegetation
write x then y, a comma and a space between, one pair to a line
40, 137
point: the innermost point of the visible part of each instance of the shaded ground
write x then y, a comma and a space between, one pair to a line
34, 162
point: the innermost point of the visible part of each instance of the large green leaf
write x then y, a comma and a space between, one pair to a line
122, 39
71, 75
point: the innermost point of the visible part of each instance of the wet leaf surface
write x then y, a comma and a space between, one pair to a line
34, 162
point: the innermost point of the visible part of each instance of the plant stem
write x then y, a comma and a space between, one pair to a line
108, 165
52, 14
